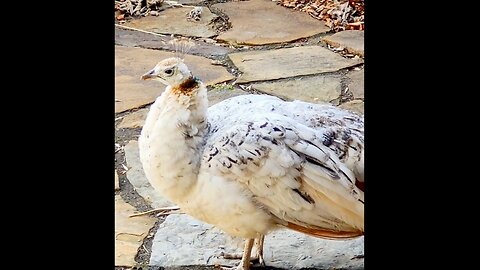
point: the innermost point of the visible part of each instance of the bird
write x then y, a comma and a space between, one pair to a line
254, 163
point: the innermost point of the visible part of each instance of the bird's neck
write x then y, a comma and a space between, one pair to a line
173, 137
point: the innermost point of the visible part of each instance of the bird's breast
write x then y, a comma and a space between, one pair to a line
226, 205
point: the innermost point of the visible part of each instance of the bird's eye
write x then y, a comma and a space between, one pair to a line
168, 71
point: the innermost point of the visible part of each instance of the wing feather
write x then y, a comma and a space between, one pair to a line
296, 172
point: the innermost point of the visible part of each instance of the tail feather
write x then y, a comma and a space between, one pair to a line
332, 235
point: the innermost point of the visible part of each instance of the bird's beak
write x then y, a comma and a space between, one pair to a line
151, 74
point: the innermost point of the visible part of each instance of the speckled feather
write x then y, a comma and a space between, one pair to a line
299, 160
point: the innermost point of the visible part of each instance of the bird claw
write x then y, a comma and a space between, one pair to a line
238, 267
236, 256
255, 247
258, 250
231, 256
261, 261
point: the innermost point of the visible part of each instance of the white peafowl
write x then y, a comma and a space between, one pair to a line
254, 163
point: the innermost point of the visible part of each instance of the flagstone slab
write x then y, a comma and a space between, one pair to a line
259, 22
352, 40
129, 232
133, 38
217, 95
317, 89
356, 105
356, 84
174, 21
289, 62
135, 119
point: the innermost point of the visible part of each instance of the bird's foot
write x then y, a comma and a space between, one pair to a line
245, 262
240, 266
237, 256
258, 257
231, 256
258, 250
256, 253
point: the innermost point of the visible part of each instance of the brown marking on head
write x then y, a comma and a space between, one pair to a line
186, 87
360, 185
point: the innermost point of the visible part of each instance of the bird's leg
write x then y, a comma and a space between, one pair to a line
247, 252
258, 250
245, 262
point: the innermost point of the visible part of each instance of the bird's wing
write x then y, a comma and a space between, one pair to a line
290, 171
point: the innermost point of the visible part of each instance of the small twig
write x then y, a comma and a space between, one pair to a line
169, 213
143, 31
125, 167
144, 248
134, 234
163, 209
223, 266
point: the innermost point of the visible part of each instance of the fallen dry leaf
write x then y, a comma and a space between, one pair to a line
338, 15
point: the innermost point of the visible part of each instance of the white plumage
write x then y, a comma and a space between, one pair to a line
252, 163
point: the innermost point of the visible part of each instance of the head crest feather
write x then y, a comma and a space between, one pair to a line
181, 46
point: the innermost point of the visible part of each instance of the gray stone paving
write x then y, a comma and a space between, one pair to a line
290, 62
309, 72
354, 105
183, 240
269, 25
130, 92
174, 21
129, 232
350, 40
222, 93
204, 47
317, 89
356, 83
134, 119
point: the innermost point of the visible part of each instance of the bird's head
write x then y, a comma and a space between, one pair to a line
171, 71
